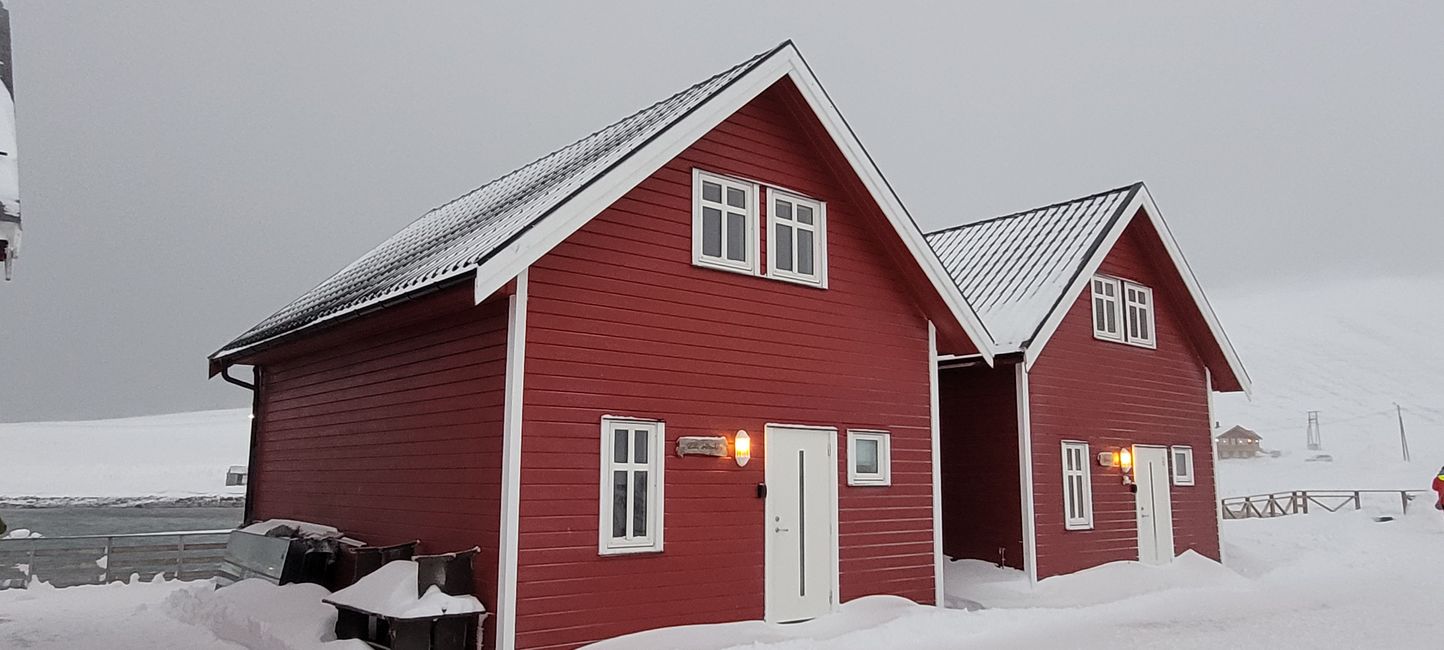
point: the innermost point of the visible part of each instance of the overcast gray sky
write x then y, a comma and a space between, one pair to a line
187, 167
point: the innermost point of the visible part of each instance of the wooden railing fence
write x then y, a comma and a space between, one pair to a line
1302, 502
99, 559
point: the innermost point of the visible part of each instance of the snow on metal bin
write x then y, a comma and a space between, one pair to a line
421, 604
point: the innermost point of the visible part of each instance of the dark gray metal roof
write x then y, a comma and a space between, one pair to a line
1015, 269
450, 241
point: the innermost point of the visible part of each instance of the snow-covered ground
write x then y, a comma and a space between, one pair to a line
1309, 581
1349, 351
155, 458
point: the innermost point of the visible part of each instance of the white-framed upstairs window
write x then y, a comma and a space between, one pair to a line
724, 222
1182, 462
1106, 323
1123, 312
1138, 308
1077, 487
796, 238
631, 486
869, 457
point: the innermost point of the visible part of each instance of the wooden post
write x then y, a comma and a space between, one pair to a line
1404, 500
180, 553
30, 564
109, 543
1358, 505
1305, 495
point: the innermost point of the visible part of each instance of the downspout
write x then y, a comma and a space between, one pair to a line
255, 423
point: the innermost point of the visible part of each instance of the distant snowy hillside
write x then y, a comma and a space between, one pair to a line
170, 456
1350, 351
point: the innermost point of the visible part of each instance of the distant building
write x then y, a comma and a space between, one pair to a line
236, 475
1238, 442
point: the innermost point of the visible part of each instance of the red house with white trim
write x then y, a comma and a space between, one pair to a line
1107, 356
724, 272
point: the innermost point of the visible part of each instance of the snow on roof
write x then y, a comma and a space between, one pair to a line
453, 239
1239, 432
1015, 269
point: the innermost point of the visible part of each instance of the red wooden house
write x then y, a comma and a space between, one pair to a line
1107, 356
724, 272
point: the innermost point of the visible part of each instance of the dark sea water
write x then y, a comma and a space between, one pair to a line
60, 521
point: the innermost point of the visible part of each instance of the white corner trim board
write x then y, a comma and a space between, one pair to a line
1025, 476
511, 466
934, 406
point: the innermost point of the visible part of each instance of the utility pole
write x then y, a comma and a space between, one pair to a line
1315, 439
1403, 440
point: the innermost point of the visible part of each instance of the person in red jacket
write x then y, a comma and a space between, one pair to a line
1439, 487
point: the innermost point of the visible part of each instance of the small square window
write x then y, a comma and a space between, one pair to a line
796, 238
869, 458
1182, 465
630, 518
724, 218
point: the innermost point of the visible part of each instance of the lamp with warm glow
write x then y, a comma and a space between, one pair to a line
742, 447
1125, 460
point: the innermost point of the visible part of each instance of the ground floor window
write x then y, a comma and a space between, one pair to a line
1077, 488
631, 486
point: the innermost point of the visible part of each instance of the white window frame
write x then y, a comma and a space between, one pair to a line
1146, 308
1122, 304
1084, 471
1182, 478
883, 476
819, 238
723, 263
1113, 303
655, 466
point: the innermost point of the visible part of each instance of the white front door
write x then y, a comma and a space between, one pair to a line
1155, 508
801, 512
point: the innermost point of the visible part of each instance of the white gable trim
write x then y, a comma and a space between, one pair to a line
1141, 201
575, 212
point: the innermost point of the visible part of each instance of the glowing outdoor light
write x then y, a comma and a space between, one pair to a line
742, 447
1125, 460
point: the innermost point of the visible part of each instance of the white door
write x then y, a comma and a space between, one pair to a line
1155, 508
801, 511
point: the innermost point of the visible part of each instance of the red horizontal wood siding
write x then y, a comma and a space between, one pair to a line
389, 428
620, 322
982, 506
1113, 395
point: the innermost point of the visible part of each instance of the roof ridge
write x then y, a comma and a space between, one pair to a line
1020, 213
750, 60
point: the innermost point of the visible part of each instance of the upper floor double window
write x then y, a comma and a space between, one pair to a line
726, 215
1123, 312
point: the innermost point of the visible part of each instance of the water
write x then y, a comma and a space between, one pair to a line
55, 522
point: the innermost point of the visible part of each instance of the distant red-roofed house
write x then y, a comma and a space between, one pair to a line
1239, 442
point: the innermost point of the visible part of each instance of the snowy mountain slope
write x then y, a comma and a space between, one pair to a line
170, 456
1350, 351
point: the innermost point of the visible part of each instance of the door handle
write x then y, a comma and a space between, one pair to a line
780, 529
